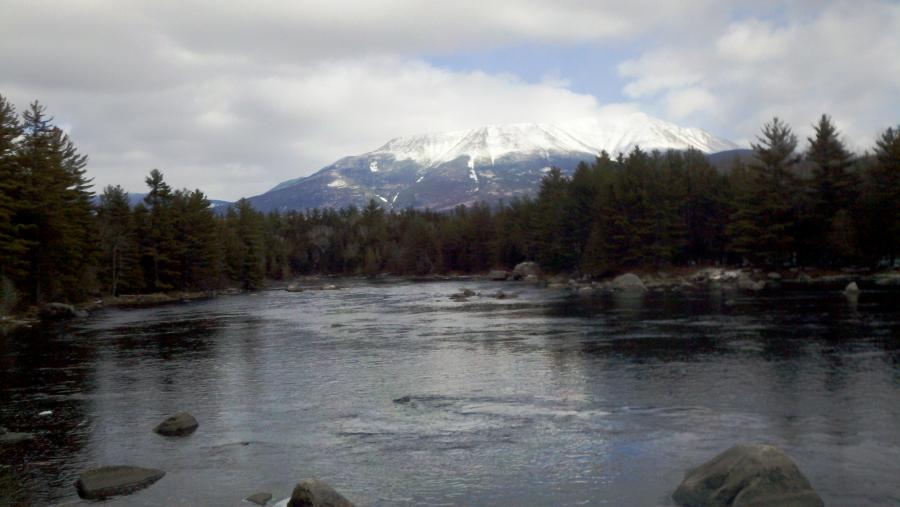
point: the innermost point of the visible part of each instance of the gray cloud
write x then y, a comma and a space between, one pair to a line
841, 60
234, 97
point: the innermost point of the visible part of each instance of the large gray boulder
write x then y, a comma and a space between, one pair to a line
524, 270
315, 493
629, 282
103, 482
178, 425
747, 476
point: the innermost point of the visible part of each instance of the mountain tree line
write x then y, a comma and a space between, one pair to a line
820, 206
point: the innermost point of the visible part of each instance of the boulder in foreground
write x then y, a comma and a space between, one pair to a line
178, 425
315, 493
747, 476
99, 483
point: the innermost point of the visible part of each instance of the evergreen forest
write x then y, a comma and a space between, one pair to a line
813, 204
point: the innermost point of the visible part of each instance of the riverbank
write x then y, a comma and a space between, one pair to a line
677, 278
56, 312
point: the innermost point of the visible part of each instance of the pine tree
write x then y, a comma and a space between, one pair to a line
157, 240
552, 231
57, 215
195, 252
117, 240
13, 247
252, 253
763, 226
833, 188
881, 200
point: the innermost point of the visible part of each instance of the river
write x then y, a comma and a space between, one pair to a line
542, 399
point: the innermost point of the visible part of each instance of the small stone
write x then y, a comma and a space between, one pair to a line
178, 425
99, 483
261, 498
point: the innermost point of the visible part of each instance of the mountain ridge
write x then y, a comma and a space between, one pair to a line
489, 163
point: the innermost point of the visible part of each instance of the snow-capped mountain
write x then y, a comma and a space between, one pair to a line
443, 170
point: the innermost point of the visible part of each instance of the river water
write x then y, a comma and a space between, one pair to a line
544, 399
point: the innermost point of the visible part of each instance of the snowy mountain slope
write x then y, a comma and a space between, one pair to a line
443, 170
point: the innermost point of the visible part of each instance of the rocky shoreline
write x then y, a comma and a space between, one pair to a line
851, 281
60, 312
742, 279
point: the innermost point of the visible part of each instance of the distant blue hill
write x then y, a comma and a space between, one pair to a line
134, 199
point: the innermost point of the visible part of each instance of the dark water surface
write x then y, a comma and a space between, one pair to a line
539, 400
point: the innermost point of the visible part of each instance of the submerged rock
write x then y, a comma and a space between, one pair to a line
747, 476
177, 425
628, 281
99, 483
261, 498
463, 295
315, 493
403, 399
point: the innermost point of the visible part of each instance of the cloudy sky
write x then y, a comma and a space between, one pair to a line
234, 97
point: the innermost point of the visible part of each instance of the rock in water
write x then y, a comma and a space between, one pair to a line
13, 438
178, 425
498, 275
259, 498
99, 483
749, 284
524, 270
61, 311
315, 493
747, 476
851, 288
628, 281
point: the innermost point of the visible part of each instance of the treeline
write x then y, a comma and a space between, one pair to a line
822, 206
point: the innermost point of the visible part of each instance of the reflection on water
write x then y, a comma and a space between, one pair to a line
544, 399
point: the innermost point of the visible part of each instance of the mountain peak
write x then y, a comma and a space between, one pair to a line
488, 163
